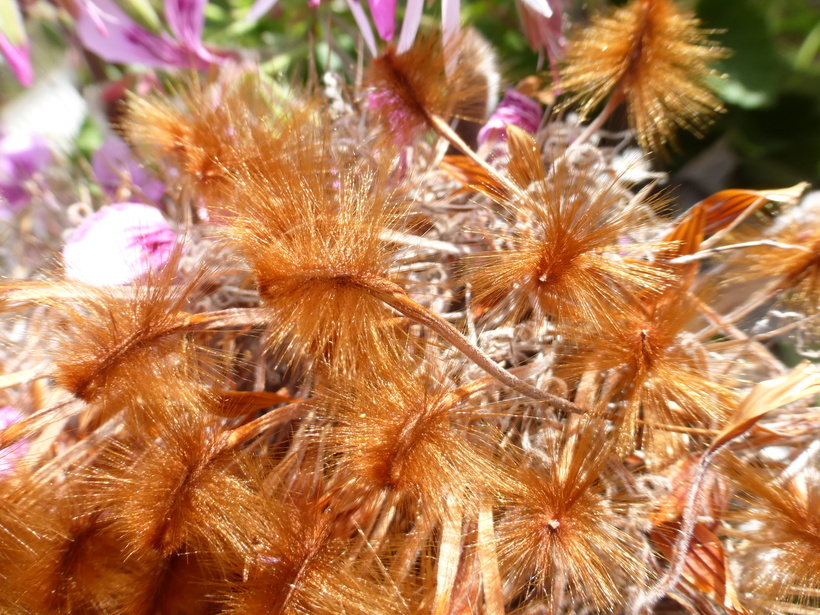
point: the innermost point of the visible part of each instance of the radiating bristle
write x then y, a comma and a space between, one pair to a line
566, 256
563, 529
653, 54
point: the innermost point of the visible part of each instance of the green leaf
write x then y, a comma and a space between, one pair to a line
752, 71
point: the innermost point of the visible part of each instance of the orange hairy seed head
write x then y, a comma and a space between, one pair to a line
559, 524
654, 54
565, 256
314, 235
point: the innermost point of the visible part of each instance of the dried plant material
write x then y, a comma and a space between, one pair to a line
314, 237
663, 376
565, 257
727, 207
407, 89
561, 526
299, 567
653, 54
401, 430
705, 565
781, 551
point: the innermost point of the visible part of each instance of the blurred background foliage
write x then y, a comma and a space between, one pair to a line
768, 138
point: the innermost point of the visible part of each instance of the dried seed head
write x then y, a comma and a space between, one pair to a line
654, 54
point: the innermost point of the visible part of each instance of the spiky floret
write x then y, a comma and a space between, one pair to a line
399, 429
301, 565
431, 79
658, 372
653, 54
564, 255
562, 525
314, 235
121, 348
208, 130
179, 491
780, 558
791, 269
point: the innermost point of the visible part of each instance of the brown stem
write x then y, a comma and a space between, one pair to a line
238, 436
593, 127
396, 298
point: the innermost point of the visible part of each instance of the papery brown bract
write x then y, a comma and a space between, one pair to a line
561, 525
564, 256
655, 55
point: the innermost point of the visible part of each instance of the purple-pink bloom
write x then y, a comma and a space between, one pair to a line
515, 109
119, 244
384, 15
114, 166
19, 60
11, 454
21, 157
543, 29
107, 31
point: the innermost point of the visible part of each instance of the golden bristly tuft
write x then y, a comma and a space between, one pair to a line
653, 54
658, 372
406, 90
561, 524
127, 349
564, 256
210, 128
400, 430
314, 235
301, 565
781, 549
789, 269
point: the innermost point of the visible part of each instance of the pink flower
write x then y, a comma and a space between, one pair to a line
11, 454
543, 26
13, 42
515, 109
114, 167
107, 31
21, 157
118, 244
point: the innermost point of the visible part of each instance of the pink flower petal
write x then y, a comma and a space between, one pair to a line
515, 109
126, 42
19, 60
118, 244
11, 454
21, 157
114, 165
384, 15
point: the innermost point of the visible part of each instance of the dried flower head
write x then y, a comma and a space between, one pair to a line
653, 54
564, 255
563, 529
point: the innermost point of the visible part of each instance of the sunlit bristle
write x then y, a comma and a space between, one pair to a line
214, 127
430, 79
653, 54
400, 430
563, 527
316, 239
122, 348
782, 515
301, 566
663, 375
566, 256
